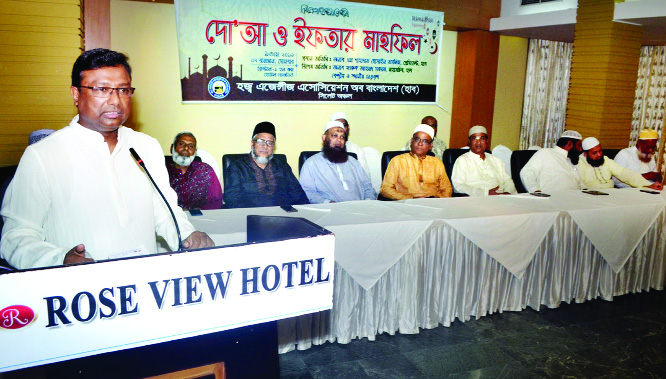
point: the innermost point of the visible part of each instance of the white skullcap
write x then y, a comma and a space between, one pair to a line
333, 124
427, 129
477, 129
589, 143
571, 134
338, 116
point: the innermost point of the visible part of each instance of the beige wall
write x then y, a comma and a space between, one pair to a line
509, 91
147, 33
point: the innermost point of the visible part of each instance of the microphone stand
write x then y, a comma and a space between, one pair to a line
173, 216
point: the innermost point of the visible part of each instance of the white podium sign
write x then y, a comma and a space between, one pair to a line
63, 313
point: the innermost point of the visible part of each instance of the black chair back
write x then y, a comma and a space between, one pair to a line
519, 159
307, 154
449, 158
611, 153
387, 156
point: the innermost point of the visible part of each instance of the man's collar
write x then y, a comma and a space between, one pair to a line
416, 156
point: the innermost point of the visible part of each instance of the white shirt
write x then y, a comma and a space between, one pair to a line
629, 158
324, 181
475, 176
358, 150
68, 189
550, 170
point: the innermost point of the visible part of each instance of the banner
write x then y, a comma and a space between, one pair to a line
62, 313
287, 50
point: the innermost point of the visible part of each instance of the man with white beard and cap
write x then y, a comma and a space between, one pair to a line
195, 182
554, 169
332, 176
597, 171
416, 174
476, 173
640, 158
352, 147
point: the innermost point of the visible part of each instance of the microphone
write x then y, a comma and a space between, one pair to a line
143, 165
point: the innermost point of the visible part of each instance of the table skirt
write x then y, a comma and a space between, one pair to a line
444, 277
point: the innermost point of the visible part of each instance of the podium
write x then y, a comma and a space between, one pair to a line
211, 311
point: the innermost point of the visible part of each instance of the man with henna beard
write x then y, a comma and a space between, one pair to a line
332, 176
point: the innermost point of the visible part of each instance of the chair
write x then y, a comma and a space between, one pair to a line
374, 160
307, 154
449, 158
386, 158
519, 159
611, 153
228, 159
504, 153
210, 160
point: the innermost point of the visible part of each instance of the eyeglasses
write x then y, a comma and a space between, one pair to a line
336, 135
477, 138
263, 142
124, 92
418, 140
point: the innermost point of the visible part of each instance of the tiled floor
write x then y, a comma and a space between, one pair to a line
625, 338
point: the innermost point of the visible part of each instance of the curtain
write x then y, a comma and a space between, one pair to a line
650, 91
546, 90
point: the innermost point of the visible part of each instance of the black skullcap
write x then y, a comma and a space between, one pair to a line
264, 127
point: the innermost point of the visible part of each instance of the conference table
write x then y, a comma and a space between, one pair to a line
419, 263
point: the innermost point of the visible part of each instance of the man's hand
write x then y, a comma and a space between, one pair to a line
657, 186
198, 240
494, 192
76, 255
652, 176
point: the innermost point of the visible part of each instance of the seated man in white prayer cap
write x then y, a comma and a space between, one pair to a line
597, 171
332, 176
479, 174
352, 147
640, 158
554, 169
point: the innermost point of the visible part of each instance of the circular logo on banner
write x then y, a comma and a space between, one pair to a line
219, 87
16, 317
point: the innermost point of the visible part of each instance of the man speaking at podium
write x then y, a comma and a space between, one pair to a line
78, 195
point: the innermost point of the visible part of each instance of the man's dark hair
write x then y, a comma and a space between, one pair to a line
565, 140
98, 58
175, 140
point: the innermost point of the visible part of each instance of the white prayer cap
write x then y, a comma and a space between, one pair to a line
589, 143
338, 116
333, 124
571, 134
427, 129
477, 129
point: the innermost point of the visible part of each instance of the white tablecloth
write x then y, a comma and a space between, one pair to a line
406, 265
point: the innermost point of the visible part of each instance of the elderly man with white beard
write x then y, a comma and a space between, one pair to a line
640, 158
259, 180
195, 182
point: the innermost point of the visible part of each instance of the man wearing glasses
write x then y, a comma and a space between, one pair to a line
332, 176
260, 180
78, 195
416, 174
476, 173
